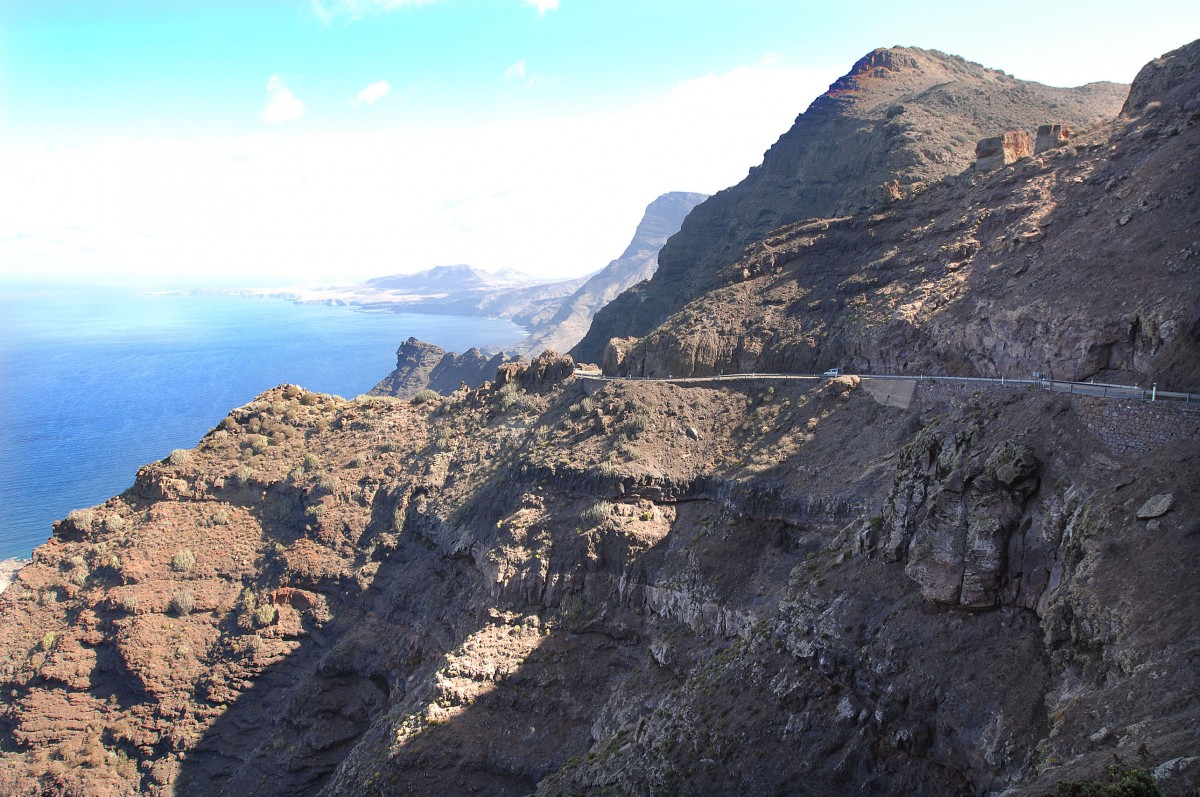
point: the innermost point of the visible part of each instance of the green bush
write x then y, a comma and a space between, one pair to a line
242, 475
426, 395
506, 396
1122, 783
264, 615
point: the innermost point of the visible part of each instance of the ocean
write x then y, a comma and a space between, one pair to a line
95, 383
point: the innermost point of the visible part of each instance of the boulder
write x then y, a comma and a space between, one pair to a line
1156, 506
1051, 137
999, 151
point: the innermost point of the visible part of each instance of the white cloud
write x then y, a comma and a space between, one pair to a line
554, 195
516, 71
543, 6
373, 93
282, 105
327, 10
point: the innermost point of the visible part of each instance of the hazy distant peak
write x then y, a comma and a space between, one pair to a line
661, 220
454, 278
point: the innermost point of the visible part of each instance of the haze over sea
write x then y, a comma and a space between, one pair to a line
95, 383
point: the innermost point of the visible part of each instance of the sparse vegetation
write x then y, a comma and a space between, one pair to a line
264, 615
180, 456
426, 396
183, 603
1122, 783
183, 561
598, 512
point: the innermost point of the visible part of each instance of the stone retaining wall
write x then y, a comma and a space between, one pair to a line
1135, 427
1126, 426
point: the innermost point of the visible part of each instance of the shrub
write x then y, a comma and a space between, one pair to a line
180, 456
426, 395
48, 640
506, 396
311, 462
183, 561
258, 443
598, 513
242, 474
1122, 783
571, 606
220, 517
183, 603
264, 615
79, 575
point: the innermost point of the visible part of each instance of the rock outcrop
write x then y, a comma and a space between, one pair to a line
1002, 150
570, 321
1051, 137
424, 366
901, 114
997, 275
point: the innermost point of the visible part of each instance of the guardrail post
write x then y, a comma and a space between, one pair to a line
1153, 391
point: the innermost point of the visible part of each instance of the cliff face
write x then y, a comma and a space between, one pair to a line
570, 322
901, 114
647, 589
556, 325
557, 585
1078, 262
424, 366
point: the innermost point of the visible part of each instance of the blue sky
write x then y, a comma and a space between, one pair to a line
284, 141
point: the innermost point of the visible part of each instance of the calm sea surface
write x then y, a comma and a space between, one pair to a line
95, 384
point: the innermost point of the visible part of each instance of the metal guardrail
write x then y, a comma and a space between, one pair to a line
1096, 389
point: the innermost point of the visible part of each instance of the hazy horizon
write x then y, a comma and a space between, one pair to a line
336, 140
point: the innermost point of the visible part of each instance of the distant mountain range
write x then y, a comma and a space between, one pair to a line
555, 312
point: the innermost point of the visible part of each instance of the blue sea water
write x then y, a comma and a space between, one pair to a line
96, 383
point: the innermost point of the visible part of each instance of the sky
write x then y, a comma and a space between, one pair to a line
205, 143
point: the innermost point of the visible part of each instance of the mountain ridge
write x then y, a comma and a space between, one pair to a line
903, 114
553, 585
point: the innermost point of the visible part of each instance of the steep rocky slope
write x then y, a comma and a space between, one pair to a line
424, 366
560, 585
1082, 261
648, 590
570, 322
903, 114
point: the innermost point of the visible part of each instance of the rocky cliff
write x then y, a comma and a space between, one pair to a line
424, 366
900, 121
559, 585
571, 320
1079, 262
556, 325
